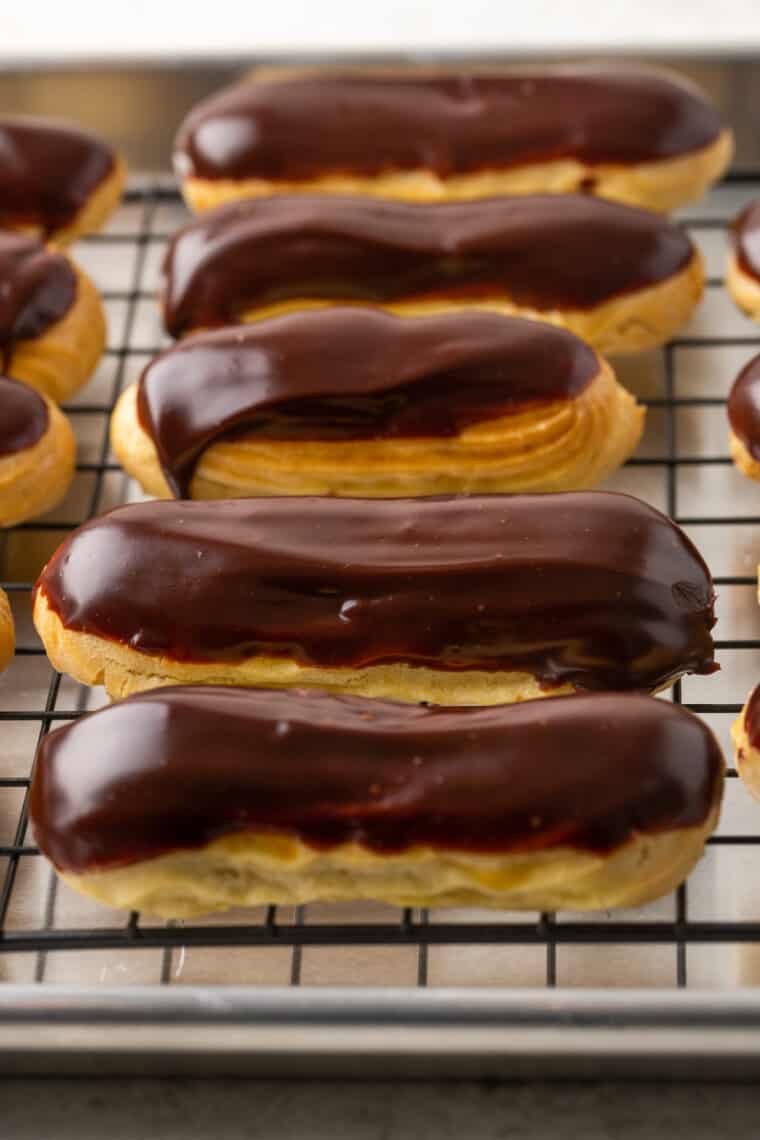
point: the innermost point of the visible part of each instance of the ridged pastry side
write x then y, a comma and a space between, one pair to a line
746, 755
661, 185
556, 446
34, 480
272, 868
122, 671
743, 459
744, 288
7, 633
93, 214
63, 358
631, 322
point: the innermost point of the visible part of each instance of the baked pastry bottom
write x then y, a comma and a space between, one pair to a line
7, 632
743, 458
35, 480
63, 358
747, 757
744, 288
254, 868
661, 185
559, 446
631, 322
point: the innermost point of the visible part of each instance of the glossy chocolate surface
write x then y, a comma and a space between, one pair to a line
458, 122
347, 374
177, 768
23, 417
745, 238
744, 407
569, 251
38, 288
596, 589
48, 170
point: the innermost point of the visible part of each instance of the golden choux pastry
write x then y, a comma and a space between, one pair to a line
37, 453
468, 600
52, 324
743, 271
620, 278
352, 401
744, 419
746, 737
641, 136
579, 803
57, 181
7, 633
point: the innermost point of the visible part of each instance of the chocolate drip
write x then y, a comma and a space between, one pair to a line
48, 170
744, 407
178, 768
347, 374
39, 287
539, 251
449, 123
752, 717
23, 417
745, 238
595, 589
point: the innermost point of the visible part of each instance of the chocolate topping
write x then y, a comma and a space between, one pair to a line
752, 717
48, 170
178, 768
596, 589
744, 407
351, 374
745, 238
458, 122
23, 417
567, 251
37, 288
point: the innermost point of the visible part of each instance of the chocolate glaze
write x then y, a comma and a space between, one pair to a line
178, 768
351, 374
38, 288
48, 170
447, 122
744, 407
592, 588
23, 417
541, 251
752, 717
745, 238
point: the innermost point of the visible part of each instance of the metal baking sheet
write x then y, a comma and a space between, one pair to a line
359, 989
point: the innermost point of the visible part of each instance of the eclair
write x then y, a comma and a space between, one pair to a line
746, 737
743, 272
623, 279
37, 453
352, 401
640, 136
57, 181
52, 325
744, 419
188, 800
7, 633
462, 601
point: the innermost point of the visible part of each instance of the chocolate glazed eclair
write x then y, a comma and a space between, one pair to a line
746, 737
583, 802
52, 325
358, 402
37, 453
622, 279
743, 271
636, 135
467, 601
56, 180
7, 632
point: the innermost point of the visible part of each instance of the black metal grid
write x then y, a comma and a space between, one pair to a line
412, 927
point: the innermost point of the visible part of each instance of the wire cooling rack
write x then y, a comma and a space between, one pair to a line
702, 936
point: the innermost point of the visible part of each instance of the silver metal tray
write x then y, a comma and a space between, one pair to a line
356, 990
